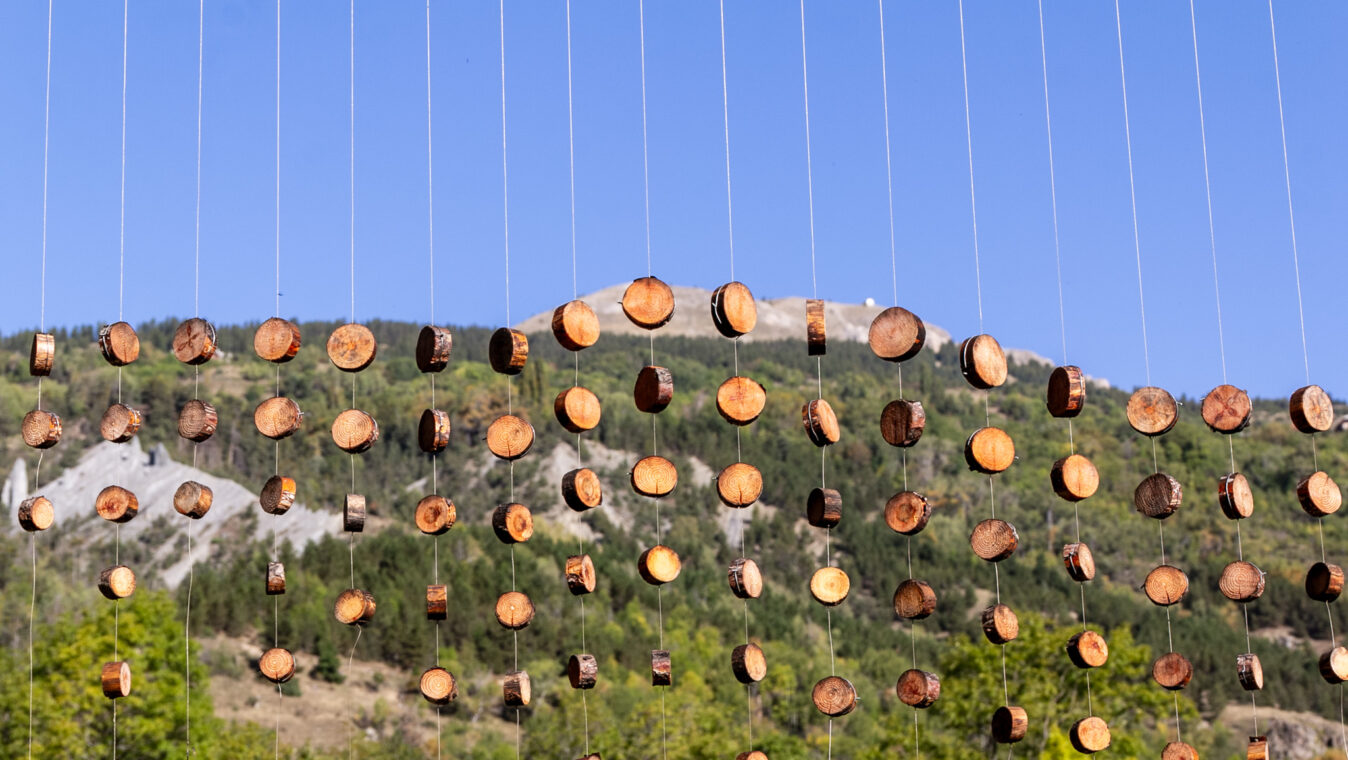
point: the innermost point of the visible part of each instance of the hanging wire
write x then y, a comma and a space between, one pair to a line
430, 249
121, 276
275, 540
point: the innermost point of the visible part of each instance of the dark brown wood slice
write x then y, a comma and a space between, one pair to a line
116, 679
197, 421
575, 325
577, 409
193, 499
1334, 665
41, 429
1009, 724
654, 389
662, 671
194, 341
896, 334
352, 347
433, 431
510, 437
1172, 671
918, 688
582, 670
119, 343
1088, 649
1324, 582
1000, 624
1066, 391
1249, 672
834, 696
1234, 496
353, 513
516, 690
745, 579
277, 340
1311, 409
437, 602
1080, 562
1158, 495
821, 424
508, 351
1152, 411
1166, 585
1074, 478
42, 356
434, 345
914, 600
1226, 409
748, 663
581, 489
989, 450
513, 523
1319, 494
823, 509
907, 512
982, 362
435, 515
278, 495
994, 540
1241, 582
816, 330
276, 578
902, 423
648, 303
733, 311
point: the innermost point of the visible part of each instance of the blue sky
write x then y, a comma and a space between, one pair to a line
687, 179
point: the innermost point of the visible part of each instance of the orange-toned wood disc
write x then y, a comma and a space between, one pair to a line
1009, 724
352, 347
354, 431
1090, 735
277, 417
739, 485
508, 351
902, 422
1311, 409
662, 670
834, 696
575, 325
823, 508
733, 311
654, 389
1172, 671
119, 343
989, 450
278, 495
982, 362
118, 582
116, 504
745, 579
1234, 496
581, 489
829, 586
510, 437
914, 600
438, 686
513, 523
41, 429
918, 688
36, 513
1179, 751
740, 400
42, 355
276, 578
435, 515
277, 340
1088, 649
816, 329
659, 564
515, 689
1074, 478
580, 575
654, 476
648, 303
276, 665
1334, 665
1166, 585
354, 607
753, 754
116, 680
1158, 495
433, 431
1257, 749
577, 409
197, 421
821, 424
994, 540
434, 346
1324, 582
907, 512
896, 334
1066, 391
582, 670
1080, 562
1249, 672
193, 499
120, 423
437, 602
1227, 409
1152, 411
748, 663
1241, 582
514, 610
1318, 493
194, 341
1000, 624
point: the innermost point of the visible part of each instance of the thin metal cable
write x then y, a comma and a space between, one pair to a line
809, 158
121, 240
505, 165
278, 168
46, 144
430, 184
350, 737
196, 243
645, 146
352, 60
1052, 185
32, 610
571, 149
196, 306
725, 125
1207, 187
1132, 192
889, 169
969, 143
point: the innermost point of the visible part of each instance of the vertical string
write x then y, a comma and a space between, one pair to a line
275, 540
725, 124
121, 276
430, 249
969, 144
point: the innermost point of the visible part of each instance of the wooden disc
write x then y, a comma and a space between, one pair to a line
733, 311
276, 665
580, 575
648, 303
509, 437
1318, 493
36, 513
577, 409
194, 341
989, 450
918, 688
654, 476
821, 424
755, 754
1249, 672
659, 564
435, 515
197, 421
745, 579
1080, 562
1066, 391
1334, 665
42, 355
513, 523
1226, 409
816, 330
116, 504
1166, 585
514, 610
438, 686
1009, 724
739, 485
278, 495
1152, 411
1241, 582
277, 417
120, 423
748, 663
1074, 478
117, 582
352, 347
1089, 735
983, 362
119, 343
994, 540
1179, 751
434, 345
740, 400
1324, 582
581, 489
1172, 671
353, 513
902, 422
276, 340
1234, 496
354, 607
575, 325
1257, 749
1311, 409
654, 389
896, 334
354, 431
907, 512
914, 600
829, 586
437, 602
582, 670
1158, 495
1088, 649
116, 679
662, 670
276, 578
1000, 624
433, 431
193, 499
834, 696
508, 351
823, 508
41, 429
515, 690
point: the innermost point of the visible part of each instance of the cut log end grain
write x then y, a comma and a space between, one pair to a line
829, 586
1249, 672
648, 303
816, 329
575, 325
1000, 624
733, 311
1066, 391
1234, 496
277, 340
278, 495
194, 341
36, 513
745, 579
581, 489
989, 450
1166, 585
277, 417
276, 578
748, 663
116, 679
119, 343
116, 504
1152, 411
438, 686
1009, 724
117, 582
354, 607
353, 513
662, 669
1311, 410
197, 421
907, 512
756, 754
513, 523
516, 690
41, 429
823, 508
119, 424
42, 355
653, 390
1080, 562
437, 602
1074, 478
654, 476
834, 696
1089, 735
1179, 751
193, 499
1318, 493
1088, 649
514, 610
508, 351
577, 409
435, 515
1334, 665
659, 564
821, 424
994, 540
740, 400
739, 485
902, 423
914, 600
1257, 749
1158, 495
582, 670
434, 345
896, 334
918, 688
1226, 409
580, 574
276, 665
510, 437
354, 431
1324, 582
1172, 671
982, 362
433, 431
1241, 582
352, 347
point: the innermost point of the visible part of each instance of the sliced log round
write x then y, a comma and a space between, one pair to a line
1166, 585
354, 607
119, 343
740, 400
516, 690
914, 600
1158, 495
354, 431
353, 513
907, 512
1179, 751
117, 582
581, 489
1152, 411
276, 665
834, 696
1080, 562
276, 578
1227, 409
1241, 582
823, 509
1172, 671
654, 476
1234, 496
746, 581
42, 356
580, 575
352, 347
508, 351
582, 670
753, 754
116, 504
816, 330
732, 309
1009, 724
1334, 665
1074, 478
509, 437
41, 429
1066, 391
896, 334
277, 340
829, 586
1000, 624
434, 345
116, 679
1257, 749
821, 424
433, 431
659, 565
648, 303
514, 610
1311, 410
989, 450
36, 513
982, 362
748, 663
1324, 582
575, 325
435, 515
1318, 493
994, 540
278, 495
513, 523
654, 389
1249, 672
120, 423
197, 421
193, 499
902, 423
194, 341
1089, 735
1088, 649
577, 409
277, 417
437, 602
662, 669
918, 688
739, 485
438, 686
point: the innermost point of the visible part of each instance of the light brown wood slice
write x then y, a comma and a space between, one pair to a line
276, 578
352, 347
516, 690
914, 600
1257, 749
748, 663
902, 423
654, 389
829, 586
577, 409
733, 311
1226, 409
1088, 649
508, 351
434, 345
1000, 624
1179, 751
821, 424
514, 610
1172, 671
354, 607
276, 665
510, 437
278, 495
989, 450
580, 574
41, 429
648, 303
116, 679
353, 513
896, 334
119, 343
435, 515
438, 686
1152, 411
745, 579
277, 417
1009, 724
740, 400
513, 523
739, 485
994, 540
755, 754
1249, 672
194, 341
1158, 495
433, 431
193, 499
36, 513
823, 508
1234, 496
1311, 409
1318, 493
575, 325
982, 362
662, 669
581, 489
1324, 582
354, 431
120, 423
1066, 391
816, 329
659, 565
116, 504
42, 356
1241, 582
918, 688
1080, 562
834, 696
197, 421
118, 582
582, 670
1074, 478
277, 340
1334, 665
1089, 735
654, 476
1166, 585
907, 512
437, 602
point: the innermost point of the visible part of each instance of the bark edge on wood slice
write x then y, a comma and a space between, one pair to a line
433, 430
1318, 493
821, 424
745, 579
353, 513
352, 347
1158, 495
194, 341
582, 670
994, 539
1066, 395
575, 325
1250, 672
659, 565
902, 423
918, 688
834, 696
119, 424
197, 421
116, 679
116, 504
662, 668
1009, 724
1152, 411
1334, 665
739, 485
1311, 409
896, 334
989, 450
654, 476
1234, 496
276, 665
982, 362
435, 515
823, 508
510, 437
513, 523
753, 754
1089, 735
733, 311
434, 346
914, 600
581, 489
1226, 409
577, 409
740, 400
42, 355
278, 417
437, 602
438, 686
119, 343
193, 499
354, 431
36, 513
907, 512
1324, 581
276, 578
829, 586
1080, 562
1166, 585
654, 389
648, 303
514, 610
278, 495
816, 328
1172, 671
508, 351
276, 340
1000, 624
354, 607
580, 574
1241, 582
41, 429
1257, 749
1179, 751
1074, 478
117, 582
1088, 649
748, 663
516, 690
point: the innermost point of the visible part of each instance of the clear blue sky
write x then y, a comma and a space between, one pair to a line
688, 215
